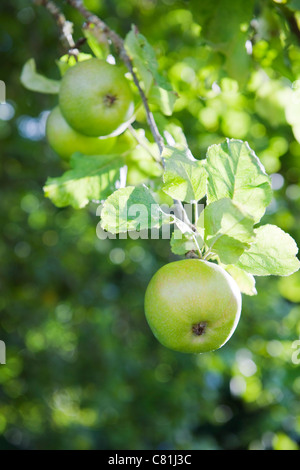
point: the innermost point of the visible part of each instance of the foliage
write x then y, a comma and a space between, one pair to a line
81, 361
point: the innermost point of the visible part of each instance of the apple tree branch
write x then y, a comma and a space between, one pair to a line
65, 26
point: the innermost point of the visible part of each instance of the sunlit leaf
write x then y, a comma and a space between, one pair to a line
184, 177
228, 230
34, 81
90, 178
235, 172
132, 208
272, 252
182, 243
244, 280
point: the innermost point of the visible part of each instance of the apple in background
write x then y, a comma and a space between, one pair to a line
95, 98
124, 143
65, 141
192, 306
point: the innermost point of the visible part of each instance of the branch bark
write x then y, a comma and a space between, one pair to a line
65, 27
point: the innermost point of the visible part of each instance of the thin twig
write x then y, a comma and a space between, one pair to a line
143, 145
197, 245
184, 216
118, 42
65, 27
207, 255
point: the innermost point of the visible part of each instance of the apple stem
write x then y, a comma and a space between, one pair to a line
207, 255
197, 245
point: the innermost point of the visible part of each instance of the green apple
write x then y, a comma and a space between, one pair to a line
65, 141
141, 166
192, 306
95, 98
124, 143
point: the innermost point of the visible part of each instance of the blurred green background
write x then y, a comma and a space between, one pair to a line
83, 369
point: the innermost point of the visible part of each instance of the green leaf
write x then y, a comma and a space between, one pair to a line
228, 230
272, 253
143, 57
292, 4
245, 281
221, 23
237, 59
90, 178
34, 81
228, 249
182, 243
235, 172
225, 28
164, 99
184, 177
132, 209
97, 41
134, 45
67, 61
141, 166
175, 132
144, 60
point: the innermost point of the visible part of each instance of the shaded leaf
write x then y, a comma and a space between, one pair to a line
90, 178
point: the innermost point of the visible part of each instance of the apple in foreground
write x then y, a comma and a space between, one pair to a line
65, 141
95, 98
192, 306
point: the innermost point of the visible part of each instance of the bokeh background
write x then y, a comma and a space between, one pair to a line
83, 369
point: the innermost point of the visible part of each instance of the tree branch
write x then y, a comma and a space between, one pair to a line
65, 27
144, 146
118, 42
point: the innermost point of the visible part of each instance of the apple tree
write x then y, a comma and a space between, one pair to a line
83, 370
213, 203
